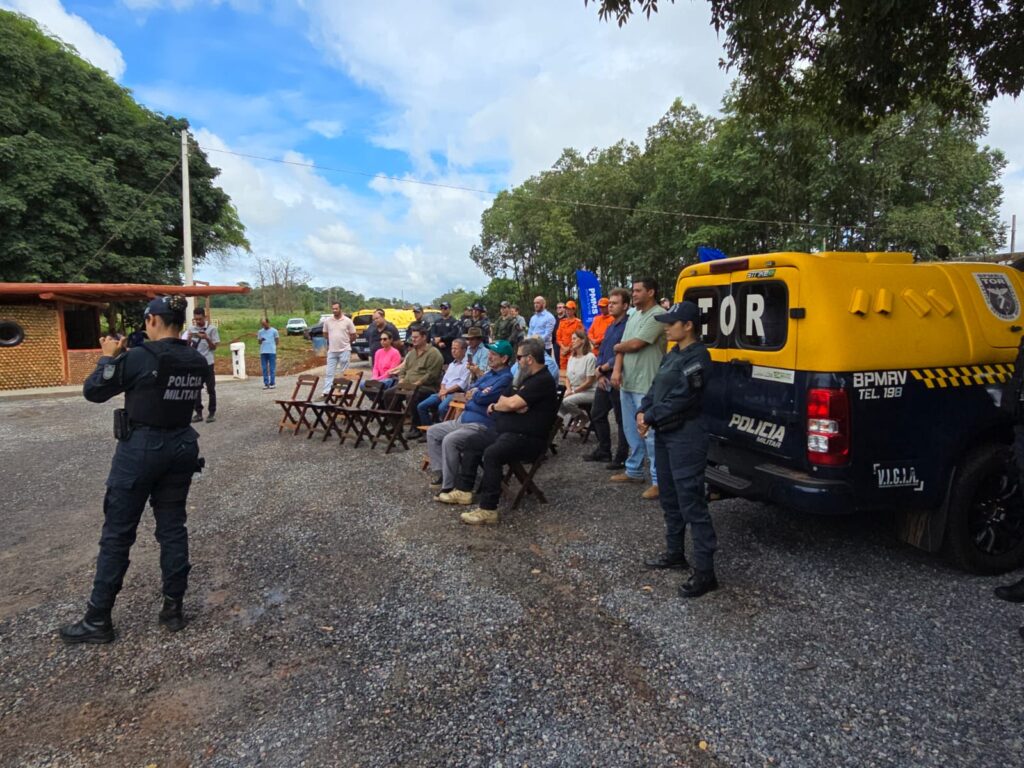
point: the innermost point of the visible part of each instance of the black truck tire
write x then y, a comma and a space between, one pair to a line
985, 522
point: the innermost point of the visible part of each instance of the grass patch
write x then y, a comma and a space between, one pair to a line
242, 325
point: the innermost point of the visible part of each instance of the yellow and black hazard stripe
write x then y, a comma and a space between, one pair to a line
964, 375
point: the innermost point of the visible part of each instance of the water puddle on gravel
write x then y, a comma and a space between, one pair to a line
250, 614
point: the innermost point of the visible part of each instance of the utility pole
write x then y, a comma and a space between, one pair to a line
186, 222
1013, 233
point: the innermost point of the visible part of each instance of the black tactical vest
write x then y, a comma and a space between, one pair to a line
167, 396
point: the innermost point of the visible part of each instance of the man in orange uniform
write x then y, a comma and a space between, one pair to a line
599, 324
567, 326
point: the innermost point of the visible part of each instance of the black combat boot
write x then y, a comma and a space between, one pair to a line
95, 627
1012, 593
673, 560
700, 583
171, 616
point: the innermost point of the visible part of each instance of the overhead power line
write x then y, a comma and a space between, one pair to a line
123, 224
559, 201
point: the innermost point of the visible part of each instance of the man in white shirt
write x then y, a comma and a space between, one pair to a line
204, 339
456, 379
339, 331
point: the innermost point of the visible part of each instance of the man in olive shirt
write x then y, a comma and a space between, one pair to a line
637, 358
422, 367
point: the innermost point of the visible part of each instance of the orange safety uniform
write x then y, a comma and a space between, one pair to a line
598, 326
567, 326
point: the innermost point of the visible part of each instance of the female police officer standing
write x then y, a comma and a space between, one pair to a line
157, 453
672, 408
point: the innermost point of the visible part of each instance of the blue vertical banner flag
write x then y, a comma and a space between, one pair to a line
590, 292
706, 253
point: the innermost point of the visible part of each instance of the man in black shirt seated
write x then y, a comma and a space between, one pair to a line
522, 418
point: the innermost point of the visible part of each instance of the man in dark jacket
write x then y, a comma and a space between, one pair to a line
444, 331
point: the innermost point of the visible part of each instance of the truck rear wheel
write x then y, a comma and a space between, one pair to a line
985, 524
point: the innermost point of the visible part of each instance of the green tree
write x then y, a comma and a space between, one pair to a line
459, 298
746, 184
89, 189
867, 58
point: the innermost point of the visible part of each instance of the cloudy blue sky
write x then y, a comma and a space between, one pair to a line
468, 94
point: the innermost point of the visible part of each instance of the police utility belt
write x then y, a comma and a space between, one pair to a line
124, 426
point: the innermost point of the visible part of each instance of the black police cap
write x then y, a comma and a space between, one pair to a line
681, 312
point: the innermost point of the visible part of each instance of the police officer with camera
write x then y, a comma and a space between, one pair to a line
672, 408
157, 453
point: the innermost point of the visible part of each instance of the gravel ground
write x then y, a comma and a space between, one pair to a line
340, 617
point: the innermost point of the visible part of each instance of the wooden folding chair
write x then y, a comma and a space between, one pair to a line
525, 476
323, 413
455, 409
358, 420
390, 418
297, 402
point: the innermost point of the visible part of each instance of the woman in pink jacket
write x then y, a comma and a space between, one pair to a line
386, 358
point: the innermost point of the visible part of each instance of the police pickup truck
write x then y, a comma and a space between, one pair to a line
857, 382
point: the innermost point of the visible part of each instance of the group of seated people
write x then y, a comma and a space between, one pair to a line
509, 410
508, 416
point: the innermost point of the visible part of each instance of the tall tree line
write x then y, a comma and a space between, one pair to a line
747, 183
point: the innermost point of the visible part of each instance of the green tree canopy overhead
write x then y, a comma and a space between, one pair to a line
78, 156
745, 184
868, 58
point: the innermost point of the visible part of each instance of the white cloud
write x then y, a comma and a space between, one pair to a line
514, 83
73, 30
1006, 116
509, 85
329, 129
398, 241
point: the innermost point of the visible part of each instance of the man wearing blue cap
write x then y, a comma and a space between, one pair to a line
672, 408
447, 440
522, 420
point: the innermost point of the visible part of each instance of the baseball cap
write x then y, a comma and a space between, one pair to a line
505, 304
477, 305
683, 311
570, 304
417, 308
445, 305
603, 301
501, 347
161, 305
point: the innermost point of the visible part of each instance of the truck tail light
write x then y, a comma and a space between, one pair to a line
828, 426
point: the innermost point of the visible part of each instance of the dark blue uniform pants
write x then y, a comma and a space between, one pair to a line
151, 465
683, 453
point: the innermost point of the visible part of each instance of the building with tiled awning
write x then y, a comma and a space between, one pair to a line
49, 332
